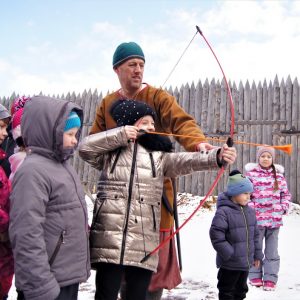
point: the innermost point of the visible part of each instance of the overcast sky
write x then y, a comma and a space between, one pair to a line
61, 46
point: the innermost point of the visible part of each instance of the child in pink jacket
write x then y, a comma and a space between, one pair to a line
19, 155
6, 255
270, 199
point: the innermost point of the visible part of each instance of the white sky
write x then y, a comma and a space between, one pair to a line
64, 46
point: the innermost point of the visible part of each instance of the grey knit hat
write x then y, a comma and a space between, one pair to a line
4, 113
262, 149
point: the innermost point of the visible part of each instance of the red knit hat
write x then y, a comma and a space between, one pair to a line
19, 103
17, 111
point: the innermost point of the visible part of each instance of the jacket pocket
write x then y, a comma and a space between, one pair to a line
151, 209
61, 240
96, 212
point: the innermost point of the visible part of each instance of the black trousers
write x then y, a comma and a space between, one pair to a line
232, 284
109, 278
69, 292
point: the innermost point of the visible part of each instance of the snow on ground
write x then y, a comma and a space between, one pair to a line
199, 271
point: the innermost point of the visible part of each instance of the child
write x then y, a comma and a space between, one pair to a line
8, 146
19, 153
49, 226
234, 235
125, 226
270, 200
6, 256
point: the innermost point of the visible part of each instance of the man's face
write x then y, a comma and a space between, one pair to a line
130, 74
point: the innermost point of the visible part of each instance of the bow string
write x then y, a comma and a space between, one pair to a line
229, 143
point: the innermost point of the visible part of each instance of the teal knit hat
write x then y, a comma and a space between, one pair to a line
238, 184
72, 121
127, 51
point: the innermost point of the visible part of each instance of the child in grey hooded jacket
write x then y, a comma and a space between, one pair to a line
49, 223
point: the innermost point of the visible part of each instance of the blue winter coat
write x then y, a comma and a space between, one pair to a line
234, 235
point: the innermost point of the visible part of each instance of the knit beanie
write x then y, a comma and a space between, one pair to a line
238, 184
18, 103
127, 112
17, 112
262, 149
73, 121
4, 113
127, 51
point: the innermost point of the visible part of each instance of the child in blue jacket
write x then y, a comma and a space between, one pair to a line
234, 235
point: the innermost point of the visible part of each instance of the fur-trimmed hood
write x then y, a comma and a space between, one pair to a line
254, 166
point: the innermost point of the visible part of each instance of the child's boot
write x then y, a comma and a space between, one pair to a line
256, 282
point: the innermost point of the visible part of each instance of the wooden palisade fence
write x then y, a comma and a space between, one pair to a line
266, 113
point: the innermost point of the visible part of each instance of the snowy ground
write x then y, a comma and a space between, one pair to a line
199, 270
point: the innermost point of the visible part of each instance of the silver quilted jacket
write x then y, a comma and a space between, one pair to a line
126, 217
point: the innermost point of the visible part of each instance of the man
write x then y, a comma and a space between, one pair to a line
128, 64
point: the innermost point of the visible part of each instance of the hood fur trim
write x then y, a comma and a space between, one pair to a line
155, 142
251, 166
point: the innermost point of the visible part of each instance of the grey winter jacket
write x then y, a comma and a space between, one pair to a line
234, 235
126, 217
48, 216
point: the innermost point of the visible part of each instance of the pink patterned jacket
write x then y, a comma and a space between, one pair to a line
6, 255
269, 204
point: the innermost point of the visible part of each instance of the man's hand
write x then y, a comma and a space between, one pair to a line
204, 147
227, 154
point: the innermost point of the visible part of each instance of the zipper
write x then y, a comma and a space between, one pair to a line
152, 165
129, 203
61, 240
85, 218
154, 219
247, 235
116, 160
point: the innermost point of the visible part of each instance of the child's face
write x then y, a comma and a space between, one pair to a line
3, 132
241, 199
265, 160
69, 138
146, 123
